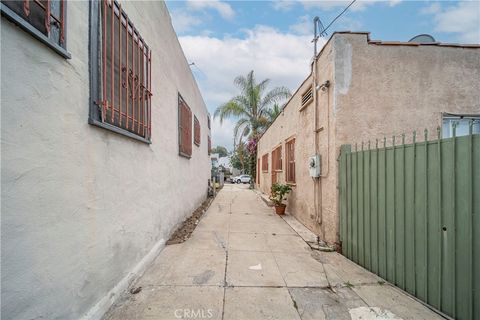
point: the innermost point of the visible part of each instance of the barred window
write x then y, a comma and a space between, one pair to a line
265, 162
184, 128
258, 171
121, 62
208, 121
43, 19
290, 160
277, 159
209, 145
196, 131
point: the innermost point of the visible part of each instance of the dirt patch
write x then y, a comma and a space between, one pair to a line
185, 230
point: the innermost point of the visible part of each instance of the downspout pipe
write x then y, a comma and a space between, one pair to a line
318, 31
316, 22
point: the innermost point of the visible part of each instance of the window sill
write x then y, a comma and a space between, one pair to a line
19, 21
118, 130
184, 155
292, 184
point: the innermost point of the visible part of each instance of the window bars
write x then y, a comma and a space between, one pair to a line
209, 145
258, 171
290, 161
196, 131
46, 16
126, 73
277, 159
184, 128
265, 162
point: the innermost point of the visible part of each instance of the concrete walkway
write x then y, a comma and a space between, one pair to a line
244, 262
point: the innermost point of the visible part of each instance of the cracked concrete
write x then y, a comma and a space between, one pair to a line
244, 262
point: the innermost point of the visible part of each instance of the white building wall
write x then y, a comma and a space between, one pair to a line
83, 207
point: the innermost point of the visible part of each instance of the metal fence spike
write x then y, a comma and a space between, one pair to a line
403, 138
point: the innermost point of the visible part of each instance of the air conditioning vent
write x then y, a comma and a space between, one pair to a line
307, 97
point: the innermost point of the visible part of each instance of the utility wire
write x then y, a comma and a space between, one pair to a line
346, 8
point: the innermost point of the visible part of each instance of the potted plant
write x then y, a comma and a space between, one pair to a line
279, 191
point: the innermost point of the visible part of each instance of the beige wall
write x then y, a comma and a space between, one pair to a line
396, 89
84, 210
299, 124
377, 90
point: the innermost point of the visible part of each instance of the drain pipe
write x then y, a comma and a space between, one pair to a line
316, 24
318, 30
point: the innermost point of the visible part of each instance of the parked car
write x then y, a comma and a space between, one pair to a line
244, 178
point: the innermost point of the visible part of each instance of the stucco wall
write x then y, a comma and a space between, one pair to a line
376, 90
81, 206
395, 89
300, 124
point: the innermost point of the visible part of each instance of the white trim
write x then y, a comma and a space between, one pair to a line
102, 306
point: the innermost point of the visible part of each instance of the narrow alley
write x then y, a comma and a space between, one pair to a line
245, 262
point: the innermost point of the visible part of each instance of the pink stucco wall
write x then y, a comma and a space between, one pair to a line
377, 89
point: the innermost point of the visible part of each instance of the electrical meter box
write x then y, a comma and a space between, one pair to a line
314, 166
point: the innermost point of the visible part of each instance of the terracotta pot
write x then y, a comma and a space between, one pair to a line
280, 209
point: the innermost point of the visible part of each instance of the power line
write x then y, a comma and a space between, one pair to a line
339, 15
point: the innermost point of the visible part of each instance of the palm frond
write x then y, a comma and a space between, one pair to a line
241, 83
263, 85
227, 110
276, 95
241, 123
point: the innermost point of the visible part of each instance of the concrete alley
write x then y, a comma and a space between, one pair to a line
245, 262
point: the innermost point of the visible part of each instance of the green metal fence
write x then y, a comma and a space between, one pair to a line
411, 214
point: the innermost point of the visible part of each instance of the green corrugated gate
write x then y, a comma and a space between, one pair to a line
411, 214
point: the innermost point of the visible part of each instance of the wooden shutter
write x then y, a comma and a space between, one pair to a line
290, 161
184, 128
196, 131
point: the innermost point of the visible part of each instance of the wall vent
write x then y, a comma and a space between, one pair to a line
307, 97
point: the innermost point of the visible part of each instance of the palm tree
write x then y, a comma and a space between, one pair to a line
251, 106
273, 113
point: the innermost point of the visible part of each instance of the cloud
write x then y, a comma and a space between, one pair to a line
462, 19
283, 5
222, 134
359, 5
183, 21
393, 3
434, 8
282, 57
304, 26
338, 4
223, 8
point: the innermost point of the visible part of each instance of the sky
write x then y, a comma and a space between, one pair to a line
225, 39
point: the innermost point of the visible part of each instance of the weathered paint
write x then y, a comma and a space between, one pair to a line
382, 90
84, 208
424, 226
